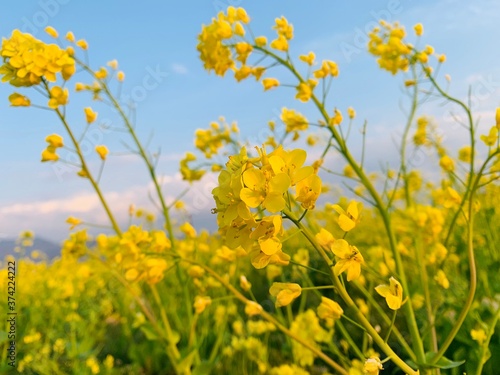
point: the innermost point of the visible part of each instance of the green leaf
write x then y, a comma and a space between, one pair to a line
443, 363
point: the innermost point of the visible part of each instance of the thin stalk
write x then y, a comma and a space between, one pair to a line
273, 320
85, 168
348, 300
424, 281
349, 339
408, 309
387, 321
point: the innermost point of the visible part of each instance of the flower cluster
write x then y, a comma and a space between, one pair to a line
394, 54
27, 61
387, 43
138, 253
214, 39
54, 141
262, 183
211, 140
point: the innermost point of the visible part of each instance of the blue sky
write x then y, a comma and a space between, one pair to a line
155, 42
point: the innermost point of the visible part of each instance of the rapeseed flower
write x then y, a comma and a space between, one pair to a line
329, 311
393, 293
348, 259
348, 219
285, 293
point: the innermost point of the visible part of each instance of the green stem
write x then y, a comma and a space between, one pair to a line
408, 309
273, 320
349, 339
172, 350
391, 326
348, 300
424, 281
386, 319
472, 281
85, 169
483, 357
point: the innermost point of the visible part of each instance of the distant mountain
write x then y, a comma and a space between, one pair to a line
49, 248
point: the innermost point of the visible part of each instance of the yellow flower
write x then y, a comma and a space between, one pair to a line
253, 308
329, 310
492, 138
93, 365
325, 238
31, 338
293, 120
337, 117
102, 73
73, 221
372, 366
351, 112
120, 76
51, 31
90, 115
49, 154
113, 64
83, 173
308, 191
447, 163
188, 173
102, 151
479, 335
267, 232
201, 303
245, 284
283, 28
304, 91
241, 15
393, 293
18, 100
242, 73
196, 272
280, 44
27, 60
291, 163
348, 259
419, 29
260, 41
308, 59
54, 140
497, 118
442, 280
388, 45
82, 43
270, 83
285, 293
58, 96
131, 274
188, 230
259, 191
349, 171
70, 37
109, 361
350, 218
328, 68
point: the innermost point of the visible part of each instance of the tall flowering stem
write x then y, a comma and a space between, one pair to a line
379, 204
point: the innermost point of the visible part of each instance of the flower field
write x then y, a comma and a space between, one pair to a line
397, 274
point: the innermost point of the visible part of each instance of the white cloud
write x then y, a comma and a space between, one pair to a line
47, 218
